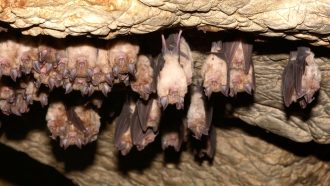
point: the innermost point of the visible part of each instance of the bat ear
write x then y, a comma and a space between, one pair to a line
164, 46
177, 48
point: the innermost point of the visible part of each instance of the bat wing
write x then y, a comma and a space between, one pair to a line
75, 120
300, 68
143, 110
247, 52
123, 124
288, 80
230, 48
209, 147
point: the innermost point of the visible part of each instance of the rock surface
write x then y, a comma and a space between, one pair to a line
308, 20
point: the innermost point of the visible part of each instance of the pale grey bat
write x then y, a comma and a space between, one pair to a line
199, 116
172, 82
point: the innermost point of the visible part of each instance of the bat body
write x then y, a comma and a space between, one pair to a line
27, 55
199, 116
240, 67
102, 69
8, 57
144, 78
301, 78
122, 57
172, 81
82, 59
75, 126
123, 136
214, 71
145, 122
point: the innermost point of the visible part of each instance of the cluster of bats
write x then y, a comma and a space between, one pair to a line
168, 102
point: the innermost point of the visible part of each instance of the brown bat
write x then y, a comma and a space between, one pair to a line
140, 137
82, 60
172, 82
123, 135
214, 71
199, 116
144, 82
122, 57
27, 55
9, 64
301, 78
240, 67
75, 126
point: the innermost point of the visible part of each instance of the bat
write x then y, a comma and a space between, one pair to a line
149, 114
123, 135
143, 82
19, 105
75, 126
301, 78
172, 132
122, 57
140, 137
27, 55
82, 60
186, 59
214, 71
8, 57
240, 74
172, 81
199, 116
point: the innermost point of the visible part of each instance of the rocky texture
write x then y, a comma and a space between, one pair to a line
308, 20
245, 155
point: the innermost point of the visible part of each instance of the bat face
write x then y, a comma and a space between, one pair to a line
199, 114
214, 71
144, 80
123, 56
240, 67
171, 89
301, 78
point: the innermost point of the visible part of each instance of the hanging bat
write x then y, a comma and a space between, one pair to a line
172, 132
123, 136
82, 60
27, 55
77, 126
143, 82
172, 81
199, 116
149, 114
9, 65
214, 71
301, 78
122, 57
140, 137
240, 67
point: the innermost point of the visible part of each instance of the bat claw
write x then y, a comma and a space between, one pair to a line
36, 66
164, 102
68, 88
109, 79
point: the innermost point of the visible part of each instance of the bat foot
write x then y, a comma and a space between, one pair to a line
14, 74
51, 83
208, 92
72, 74
90, 74
109, 79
